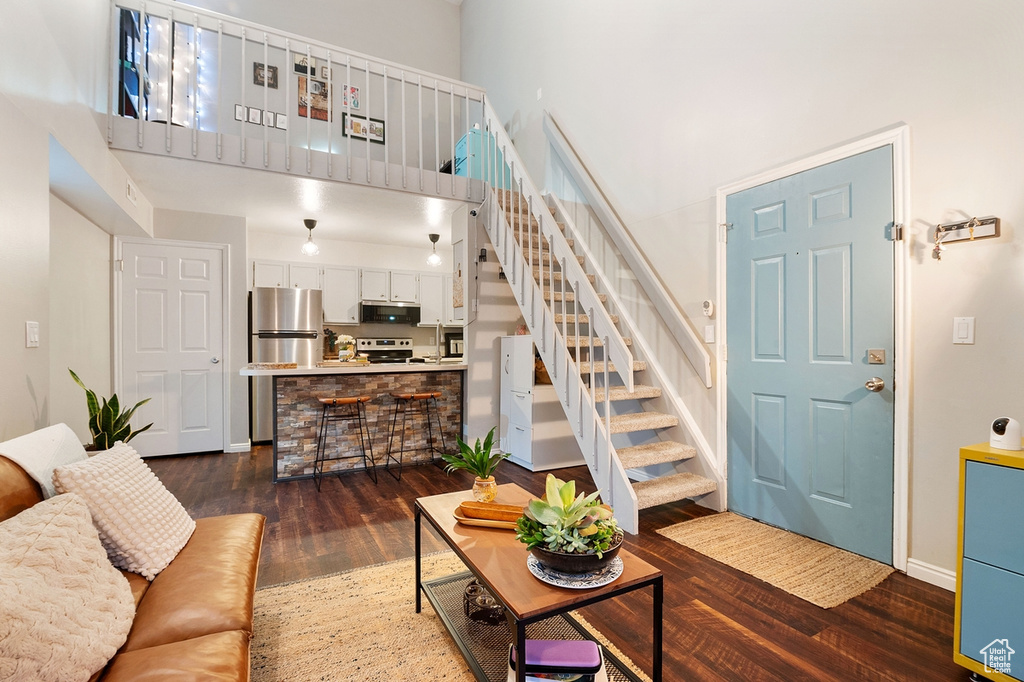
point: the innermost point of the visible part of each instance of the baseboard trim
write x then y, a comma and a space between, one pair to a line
239, 447
934, 575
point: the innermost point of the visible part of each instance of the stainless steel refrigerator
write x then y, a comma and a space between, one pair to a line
285, 326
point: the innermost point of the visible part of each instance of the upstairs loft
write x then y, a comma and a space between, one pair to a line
193, 84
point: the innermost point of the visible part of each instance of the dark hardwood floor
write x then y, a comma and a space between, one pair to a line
720, 624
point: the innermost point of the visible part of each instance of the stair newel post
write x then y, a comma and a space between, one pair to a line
606, 470
245, 114
419, 120
266, 99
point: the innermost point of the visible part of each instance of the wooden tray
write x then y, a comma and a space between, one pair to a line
486, 523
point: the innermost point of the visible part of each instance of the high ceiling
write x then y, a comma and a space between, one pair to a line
277, 203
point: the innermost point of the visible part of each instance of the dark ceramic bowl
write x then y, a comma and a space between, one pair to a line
576, 563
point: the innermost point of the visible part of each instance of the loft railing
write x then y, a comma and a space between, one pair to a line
520, 226
191, 83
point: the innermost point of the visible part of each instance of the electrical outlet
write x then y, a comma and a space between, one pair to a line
132, 193
31, 335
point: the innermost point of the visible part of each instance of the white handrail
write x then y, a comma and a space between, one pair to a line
691, 345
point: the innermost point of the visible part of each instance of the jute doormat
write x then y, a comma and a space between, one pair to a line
823, 575
360, 625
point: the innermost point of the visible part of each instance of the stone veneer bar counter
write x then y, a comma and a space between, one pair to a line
298, 412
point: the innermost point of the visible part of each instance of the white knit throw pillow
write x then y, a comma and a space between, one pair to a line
142, 525
64, 610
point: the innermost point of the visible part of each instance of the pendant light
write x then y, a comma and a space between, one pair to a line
310, 248
433, 259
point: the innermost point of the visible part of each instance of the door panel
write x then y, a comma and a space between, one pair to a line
172, 345
810, 290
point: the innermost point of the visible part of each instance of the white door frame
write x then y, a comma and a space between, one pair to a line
899, 137
225, 336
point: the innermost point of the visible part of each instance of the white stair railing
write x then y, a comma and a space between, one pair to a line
517, 219
191, 83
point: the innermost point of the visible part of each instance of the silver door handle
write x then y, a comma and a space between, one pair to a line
875, 384
214, 360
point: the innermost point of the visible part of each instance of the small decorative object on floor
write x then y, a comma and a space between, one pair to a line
480, 605
579, 660
478, 461
108, 423
569, 533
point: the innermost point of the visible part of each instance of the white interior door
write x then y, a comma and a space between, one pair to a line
172, 344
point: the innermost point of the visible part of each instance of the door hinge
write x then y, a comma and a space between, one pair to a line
725, 227
119, 265
896, 232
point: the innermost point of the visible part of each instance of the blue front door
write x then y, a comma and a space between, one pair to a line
810, 322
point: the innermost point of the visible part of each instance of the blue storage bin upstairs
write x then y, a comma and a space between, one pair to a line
470, 156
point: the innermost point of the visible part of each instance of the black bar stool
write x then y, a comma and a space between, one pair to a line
343, 410
409, 405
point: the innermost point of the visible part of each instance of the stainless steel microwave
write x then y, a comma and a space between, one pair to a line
390, 314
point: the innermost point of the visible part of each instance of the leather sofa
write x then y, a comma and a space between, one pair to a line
194, 620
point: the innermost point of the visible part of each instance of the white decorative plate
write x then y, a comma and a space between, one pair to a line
575, 581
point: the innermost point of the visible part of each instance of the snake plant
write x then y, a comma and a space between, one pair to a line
108, 423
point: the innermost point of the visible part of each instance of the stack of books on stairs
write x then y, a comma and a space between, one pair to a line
558, 659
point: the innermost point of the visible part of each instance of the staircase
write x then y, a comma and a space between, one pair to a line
599, 382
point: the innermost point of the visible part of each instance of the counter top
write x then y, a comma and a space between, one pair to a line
356, 368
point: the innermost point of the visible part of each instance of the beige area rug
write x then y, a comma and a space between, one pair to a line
823, 575
360, 625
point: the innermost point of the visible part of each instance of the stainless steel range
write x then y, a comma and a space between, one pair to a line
385, 350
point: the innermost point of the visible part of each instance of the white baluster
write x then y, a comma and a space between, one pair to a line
367, 120
220, 81
266, 101
330, 116
170, 65
437, 145
405, 179
419, 119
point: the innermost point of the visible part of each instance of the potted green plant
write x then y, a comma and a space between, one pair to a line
108, 422
568, 532
478, 461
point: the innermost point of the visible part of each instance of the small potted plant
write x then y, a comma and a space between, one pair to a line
568, 532
108, 423
478, 461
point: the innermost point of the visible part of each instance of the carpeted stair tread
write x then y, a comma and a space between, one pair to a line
583, 319
598, 342
584, 367
642, 421
659, 452
671, 489
557, 275
569, 296
639, 392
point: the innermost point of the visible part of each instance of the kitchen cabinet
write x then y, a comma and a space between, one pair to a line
341, 295
284, 274
394, 286
531, 425
990, 579
432, 310
405, 286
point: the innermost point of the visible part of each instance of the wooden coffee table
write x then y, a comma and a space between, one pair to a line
498, 560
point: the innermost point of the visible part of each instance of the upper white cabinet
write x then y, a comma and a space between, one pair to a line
390, 286
341, 295
279, 274
432, 310
405, 287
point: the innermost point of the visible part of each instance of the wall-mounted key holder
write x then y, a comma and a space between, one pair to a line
967, 230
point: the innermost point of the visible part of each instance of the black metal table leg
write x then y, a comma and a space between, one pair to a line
418, 574
659, 592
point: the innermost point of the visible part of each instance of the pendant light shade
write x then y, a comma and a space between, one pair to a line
310, 248
433, 259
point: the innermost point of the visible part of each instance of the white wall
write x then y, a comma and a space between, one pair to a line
672, 99
230, 230
420, 33
79, 335
24, 271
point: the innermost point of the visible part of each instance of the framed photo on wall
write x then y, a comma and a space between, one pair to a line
316, 107
350, 96
304, 66
362, 128
260, 73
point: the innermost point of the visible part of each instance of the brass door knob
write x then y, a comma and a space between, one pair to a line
875, 384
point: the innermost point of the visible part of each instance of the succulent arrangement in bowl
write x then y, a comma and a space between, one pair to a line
569, 532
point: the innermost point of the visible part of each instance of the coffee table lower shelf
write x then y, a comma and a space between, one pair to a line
485, 647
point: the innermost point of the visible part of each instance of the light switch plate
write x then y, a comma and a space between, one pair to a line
31, 335
963, 330
709, 333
